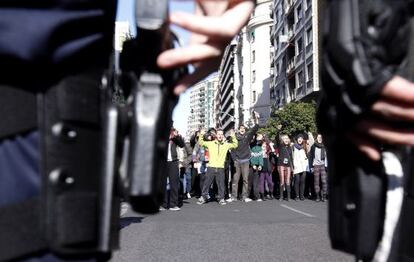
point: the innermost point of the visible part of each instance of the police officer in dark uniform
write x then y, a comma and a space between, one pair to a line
52, 57
43, 44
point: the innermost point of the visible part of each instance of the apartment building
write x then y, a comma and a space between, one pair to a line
202, 97
296, 58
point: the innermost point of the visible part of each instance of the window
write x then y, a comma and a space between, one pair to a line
308, 3
252, 36
254, 97
254, 76
309, 36
300, 79
299, 45
309, 70
253, 56
299, 12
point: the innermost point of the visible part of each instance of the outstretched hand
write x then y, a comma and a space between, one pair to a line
214, 24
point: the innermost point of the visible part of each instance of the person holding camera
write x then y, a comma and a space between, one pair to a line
171, 199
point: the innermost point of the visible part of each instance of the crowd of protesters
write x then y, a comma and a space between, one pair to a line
244, 166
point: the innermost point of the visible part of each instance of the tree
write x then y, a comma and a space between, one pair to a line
293, 119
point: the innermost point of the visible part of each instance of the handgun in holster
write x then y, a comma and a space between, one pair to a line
364, 44
86, 132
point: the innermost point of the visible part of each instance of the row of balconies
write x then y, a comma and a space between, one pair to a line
289, 6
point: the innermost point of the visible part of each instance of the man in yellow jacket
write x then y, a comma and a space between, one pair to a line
217, 149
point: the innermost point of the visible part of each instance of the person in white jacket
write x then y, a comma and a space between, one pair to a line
300, 166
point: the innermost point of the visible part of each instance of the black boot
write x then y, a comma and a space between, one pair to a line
262, 196
281, 193
318, 199
323, 198
287, 192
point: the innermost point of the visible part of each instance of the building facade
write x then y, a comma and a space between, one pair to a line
225, 107
245, 72
202, 97
254, 61
295, 36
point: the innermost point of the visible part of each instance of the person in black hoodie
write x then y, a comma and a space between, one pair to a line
284, 166
171, 200
317, 162
242, 156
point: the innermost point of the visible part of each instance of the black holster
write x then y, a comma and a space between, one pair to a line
64, 218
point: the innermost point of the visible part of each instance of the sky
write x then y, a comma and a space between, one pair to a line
125, 13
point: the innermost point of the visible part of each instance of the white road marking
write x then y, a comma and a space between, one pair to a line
297, 211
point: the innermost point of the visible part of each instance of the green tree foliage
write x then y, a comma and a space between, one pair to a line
292, 119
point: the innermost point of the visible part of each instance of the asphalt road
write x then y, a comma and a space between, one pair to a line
255, 231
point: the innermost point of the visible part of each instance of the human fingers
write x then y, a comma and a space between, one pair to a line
393, 110
225, 26
187, 55
386, 133
200, 73
399, 89
364, 145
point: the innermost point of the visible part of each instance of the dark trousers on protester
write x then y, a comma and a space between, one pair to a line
214, 173
173, 176
319, 173
255, 182
265, 177
243, 170
300, 184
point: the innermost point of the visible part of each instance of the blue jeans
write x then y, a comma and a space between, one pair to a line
187, 178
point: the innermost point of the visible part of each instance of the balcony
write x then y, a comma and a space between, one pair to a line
271, 11
300, 92
308, 12
309, 85
299, 58
288, 6
291, 65
309, 48
298, 24
290, 34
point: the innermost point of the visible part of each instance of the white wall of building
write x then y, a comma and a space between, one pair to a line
255, 54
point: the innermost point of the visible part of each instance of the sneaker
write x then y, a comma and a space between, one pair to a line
201, 201
247, 200
259, 200
231, 200
162, 209
175, 208
188, 195
124, 208
222, 202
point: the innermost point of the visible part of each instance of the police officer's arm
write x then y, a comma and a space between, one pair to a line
396, 102
209, 37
